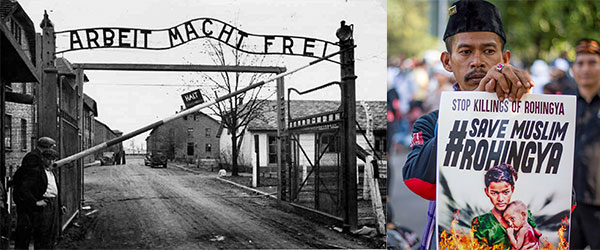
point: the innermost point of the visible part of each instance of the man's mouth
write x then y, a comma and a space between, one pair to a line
476, 77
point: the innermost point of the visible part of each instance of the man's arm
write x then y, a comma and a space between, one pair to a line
28, 180
420, 168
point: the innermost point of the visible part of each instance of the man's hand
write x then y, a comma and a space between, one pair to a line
511, 83
41, 203
510, 230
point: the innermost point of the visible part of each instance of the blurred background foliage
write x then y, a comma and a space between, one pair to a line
408, 28
535, 29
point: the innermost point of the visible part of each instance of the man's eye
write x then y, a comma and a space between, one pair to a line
464, 52
489, 51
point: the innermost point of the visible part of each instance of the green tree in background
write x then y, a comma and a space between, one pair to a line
407, 28
544, 29
535, 29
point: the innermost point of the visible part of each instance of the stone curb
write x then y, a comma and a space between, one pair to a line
230, 182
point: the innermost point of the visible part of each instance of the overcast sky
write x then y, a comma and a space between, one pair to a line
130, 100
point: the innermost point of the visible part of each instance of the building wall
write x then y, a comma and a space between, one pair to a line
17, 111
103, 133
88, 134
173, 138
18, 31
21, 141
307, 141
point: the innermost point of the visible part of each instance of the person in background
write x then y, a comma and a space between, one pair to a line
586, 169
444, 80
35, 194
560, 83
540, 74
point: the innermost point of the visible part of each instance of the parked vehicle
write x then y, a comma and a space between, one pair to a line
107, 158
156, 159
147, 160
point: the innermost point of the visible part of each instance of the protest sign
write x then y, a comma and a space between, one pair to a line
481, 202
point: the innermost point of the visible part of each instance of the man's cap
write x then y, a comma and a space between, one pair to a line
587, 45
473, 16
46, 142
562, 64
50, 154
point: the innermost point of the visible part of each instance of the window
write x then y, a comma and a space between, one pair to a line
23, 88
195, 117
207, 132
185, 117
272, 149
208, 147
190, 148
190, 131
16, 30
7, 131
23, 134
329, 143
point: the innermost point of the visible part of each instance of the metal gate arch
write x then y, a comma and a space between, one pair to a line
343, 194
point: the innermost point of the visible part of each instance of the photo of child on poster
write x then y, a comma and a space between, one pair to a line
504, 171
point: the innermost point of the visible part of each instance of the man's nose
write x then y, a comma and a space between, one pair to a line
477, 60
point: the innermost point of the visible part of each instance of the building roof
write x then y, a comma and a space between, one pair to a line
105, 126
301, 108
90, 103
14, 59
65, 67
12, 7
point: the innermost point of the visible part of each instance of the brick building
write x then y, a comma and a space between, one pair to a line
19, 112
103, 133
190, 138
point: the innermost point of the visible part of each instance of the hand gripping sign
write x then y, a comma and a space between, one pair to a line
505, 170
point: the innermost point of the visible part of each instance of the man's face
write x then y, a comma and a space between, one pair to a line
586, 70
473, 54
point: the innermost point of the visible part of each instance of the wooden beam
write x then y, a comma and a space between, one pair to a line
19, 98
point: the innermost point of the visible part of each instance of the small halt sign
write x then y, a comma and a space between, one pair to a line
192, 98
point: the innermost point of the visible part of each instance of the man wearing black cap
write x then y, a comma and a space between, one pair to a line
35, 195
586, 171
475, 54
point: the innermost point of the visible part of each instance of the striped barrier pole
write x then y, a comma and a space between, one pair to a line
191, 110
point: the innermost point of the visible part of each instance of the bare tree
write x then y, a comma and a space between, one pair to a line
236, 112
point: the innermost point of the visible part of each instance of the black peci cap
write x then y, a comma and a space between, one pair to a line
474, 15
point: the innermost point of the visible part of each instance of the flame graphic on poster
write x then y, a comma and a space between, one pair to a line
460, 239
